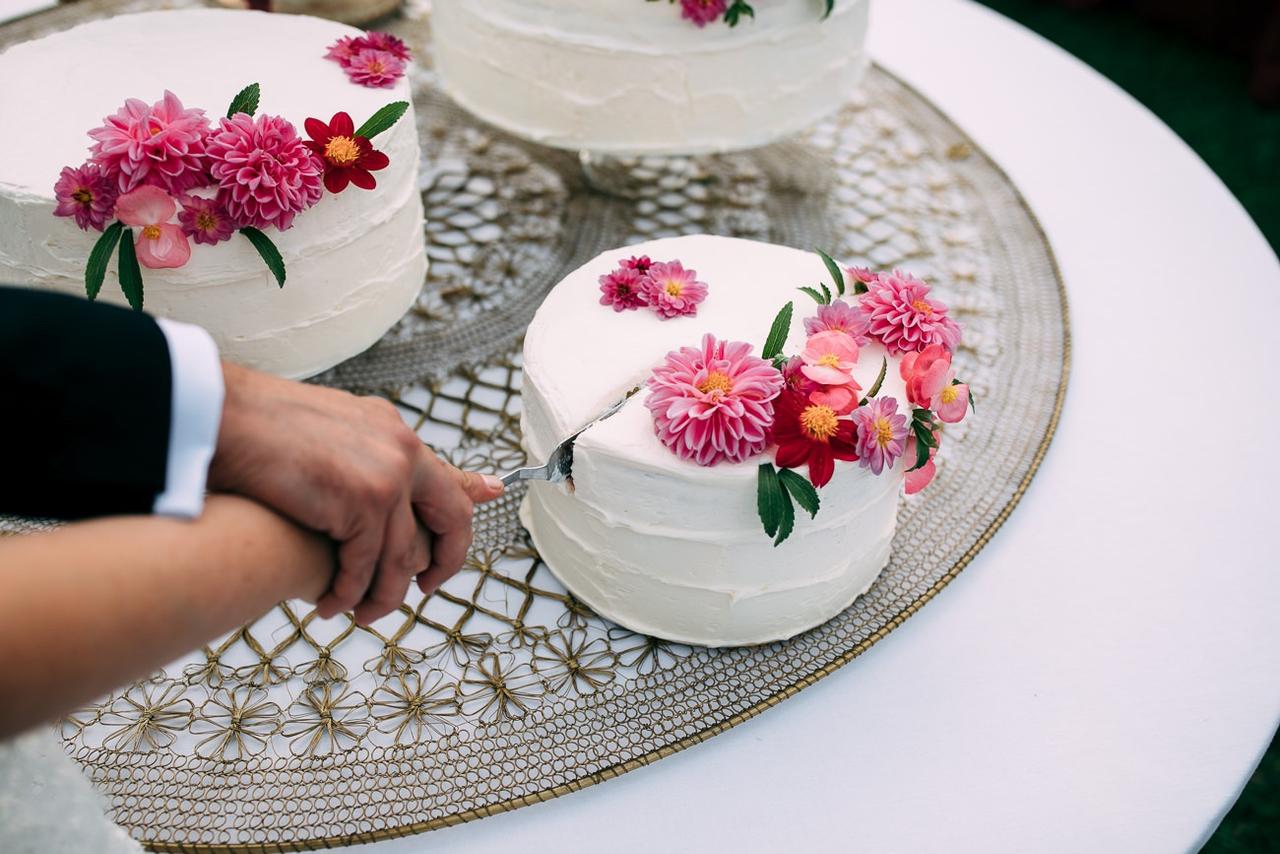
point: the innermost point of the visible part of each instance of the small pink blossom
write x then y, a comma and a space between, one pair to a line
923, 476
829, 358
904, 318
162, 145
951, 402
375, 69
205, 220
160, 243
863, 275
266, 175
925, 373
841, 399
839, 316
673, 291
713, 403
385, 41
85, 193
881, 432
342, 50
703, 12
621, 289
639, 263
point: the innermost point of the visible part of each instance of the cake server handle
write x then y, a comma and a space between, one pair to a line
559, 465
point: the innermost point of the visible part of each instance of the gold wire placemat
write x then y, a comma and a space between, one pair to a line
502, 690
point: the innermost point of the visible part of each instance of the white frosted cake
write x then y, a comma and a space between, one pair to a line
673, 546
354, 259
637, 77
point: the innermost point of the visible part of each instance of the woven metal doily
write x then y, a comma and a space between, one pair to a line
502, 690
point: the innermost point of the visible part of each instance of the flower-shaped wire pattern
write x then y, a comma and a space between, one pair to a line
148, 716
574, 662
236, 723
497, 688
415, 704
327, 718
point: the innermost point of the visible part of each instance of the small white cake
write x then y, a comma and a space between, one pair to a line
658, 543
355, 260
634, 77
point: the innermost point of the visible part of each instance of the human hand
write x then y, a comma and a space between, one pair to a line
349, 467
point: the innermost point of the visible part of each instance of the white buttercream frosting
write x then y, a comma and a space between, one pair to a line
661, 545
355, 261
630, 77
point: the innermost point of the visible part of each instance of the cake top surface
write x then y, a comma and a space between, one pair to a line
79, 76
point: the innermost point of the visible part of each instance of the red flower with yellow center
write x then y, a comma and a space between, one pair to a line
812, 434
347, 158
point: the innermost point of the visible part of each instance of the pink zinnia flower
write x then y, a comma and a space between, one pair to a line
621, 289
829, 358
376, 69
386, 42
205, 220
713, 403
882, 434
344, 49
160, 243
839, 316
703, 12
162, 145
639, 263
266, 175
672, 291
85, 193
903, 317
923, 476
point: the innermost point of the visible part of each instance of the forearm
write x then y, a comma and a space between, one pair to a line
96, 604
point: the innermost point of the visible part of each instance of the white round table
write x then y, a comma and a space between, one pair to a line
1106, 674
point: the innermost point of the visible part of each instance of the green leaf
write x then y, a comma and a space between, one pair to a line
788, 522
267, 249
831, 4
769, 498
96, 270
859, 288
875, 386
972, 405
383, 119
736, 10
833, 268
922, 453
826, 293
801, 490
245, 101
130, 273
778, 333
817, 297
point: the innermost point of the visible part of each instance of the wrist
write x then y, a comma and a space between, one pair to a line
237, 383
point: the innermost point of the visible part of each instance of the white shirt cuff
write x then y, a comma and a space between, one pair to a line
195, 414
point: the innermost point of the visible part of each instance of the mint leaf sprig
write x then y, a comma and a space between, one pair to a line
738, 8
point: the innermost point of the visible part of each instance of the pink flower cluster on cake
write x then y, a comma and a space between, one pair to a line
375, 60
664, 287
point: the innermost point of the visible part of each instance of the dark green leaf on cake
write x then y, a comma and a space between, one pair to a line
875, 386
130, 273
831, 4
96, 270
817, 297
267, 249
788, 522
859, 288
922, 428
801, 490
383, 119
833, 268
736, 10
778, 333
245, 101
770, 498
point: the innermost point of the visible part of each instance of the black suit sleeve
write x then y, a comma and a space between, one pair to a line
85, 396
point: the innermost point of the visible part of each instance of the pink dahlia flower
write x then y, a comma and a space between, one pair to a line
205, 220
386, 42
863, 275
344, 49
882, 434
639, 263
85, 193
839, 316
673, 291
266, 175
703, 12
713, 403
829, 358
160, 243
903, 317
923, 476
621, 289
162, 145
375, 69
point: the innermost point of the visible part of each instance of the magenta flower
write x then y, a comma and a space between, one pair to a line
829, 358
703, 12
85, 193
266, 175
839, 316
205, 220
881, 432
923, 476
160, 244
344, 49
713, 403
673, 291
639, 263
375, 69
162, 145
386, 42
903, 317
621, 289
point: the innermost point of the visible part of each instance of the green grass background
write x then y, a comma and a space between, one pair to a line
1203, 95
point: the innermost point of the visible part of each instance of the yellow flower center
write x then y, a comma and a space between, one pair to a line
819, 422
673, 287
884, 431
922, 306
949, 394
376, 66
716, 381
206, 221
342, 151
83, 196
151, 232
830, 360
155, 131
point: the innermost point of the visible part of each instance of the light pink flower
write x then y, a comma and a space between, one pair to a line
925, 373
863, 275
621, 289
205, 220
266, 175
162, 145
375, 69
923, 476
160, 243
903, 316
703, 12
342, 50
952, 401
881, 432
713, 403
85, 193
839, 316
841, 399
673, 291
829, 358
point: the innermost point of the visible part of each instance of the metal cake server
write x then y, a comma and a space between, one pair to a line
559, 464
